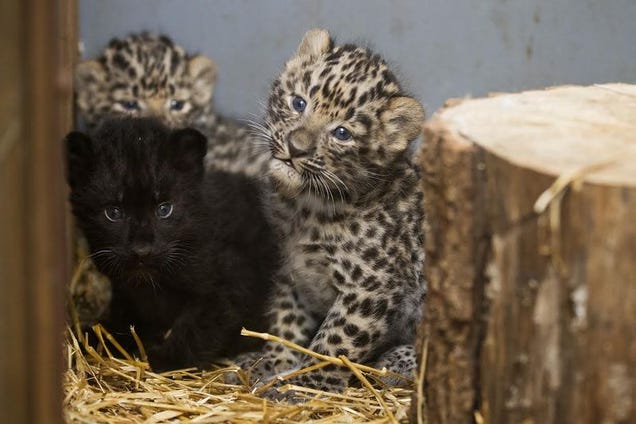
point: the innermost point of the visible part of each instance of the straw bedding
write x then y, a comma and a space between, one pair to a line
105, 384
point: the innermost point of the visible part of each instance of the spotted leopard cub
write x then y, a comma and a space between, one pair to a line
149, 75
348, 205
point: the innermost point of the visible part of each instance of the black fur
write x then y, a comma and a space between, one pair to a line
189, 282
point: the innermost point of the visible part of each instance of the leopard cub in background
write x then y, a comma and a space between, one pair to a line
348, 204
189, 253
149, 75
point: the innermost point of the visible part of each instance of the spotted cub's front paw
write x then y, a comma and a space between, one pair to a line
326, 381
245, 361
259, 368
400, 361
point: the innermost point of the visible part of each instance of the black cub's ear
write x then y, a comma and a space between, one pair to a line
79, 157
186, 149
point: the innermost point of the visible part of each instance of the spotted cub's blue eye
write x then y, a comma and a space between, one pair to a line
342, 134
114, 214
164, 210
130, 105
298, 103
176, 105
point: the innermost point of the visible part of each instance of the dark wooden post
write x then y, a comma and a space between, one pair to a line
36, 46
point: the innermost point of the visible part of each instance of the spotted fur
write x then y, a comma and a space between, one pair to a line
349, 211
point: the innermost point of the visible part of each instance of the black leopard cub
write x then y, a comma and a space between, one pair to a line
189, 253
348, 205
149, 75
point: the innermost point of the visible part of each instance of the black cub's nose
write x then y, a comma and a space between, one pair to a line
142, 251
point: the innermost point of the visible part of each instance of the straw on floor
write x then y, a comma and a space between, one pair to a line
106, 384
100, 387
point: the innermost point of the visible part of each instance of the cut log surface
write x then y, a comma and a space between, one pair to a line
557, 130
531, 258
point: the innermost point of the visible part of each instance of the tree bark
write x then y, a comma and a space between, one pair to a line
531, 314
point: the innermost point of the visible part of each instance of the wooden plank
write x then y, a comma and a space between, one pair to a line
34, 115
13, 331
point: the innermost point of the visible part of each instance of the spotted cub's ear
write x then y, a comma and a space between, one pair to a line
185, 149
202, 70
79, 158
403, 120
89, 73
315, 42
89, 78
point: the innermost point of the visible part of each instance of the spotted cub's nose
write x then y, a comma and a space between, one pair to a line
301, 143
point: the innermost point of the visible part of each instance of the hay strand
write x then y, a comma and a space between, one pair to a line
298, 348
356, 371
420, 382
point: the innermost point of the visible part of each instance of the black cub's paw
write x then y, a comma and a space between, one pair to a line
159, 360
163, 359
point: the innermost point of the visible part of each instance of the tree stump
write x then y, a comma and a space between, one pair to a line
531, 258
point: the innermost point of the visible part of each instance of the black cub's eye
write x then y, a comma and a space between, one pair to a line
342, 134
129, 105
176, 105
113, 213
164, 210
298, 103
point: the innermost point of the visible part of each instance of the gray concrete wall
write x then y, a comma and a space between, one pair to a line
439, 48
